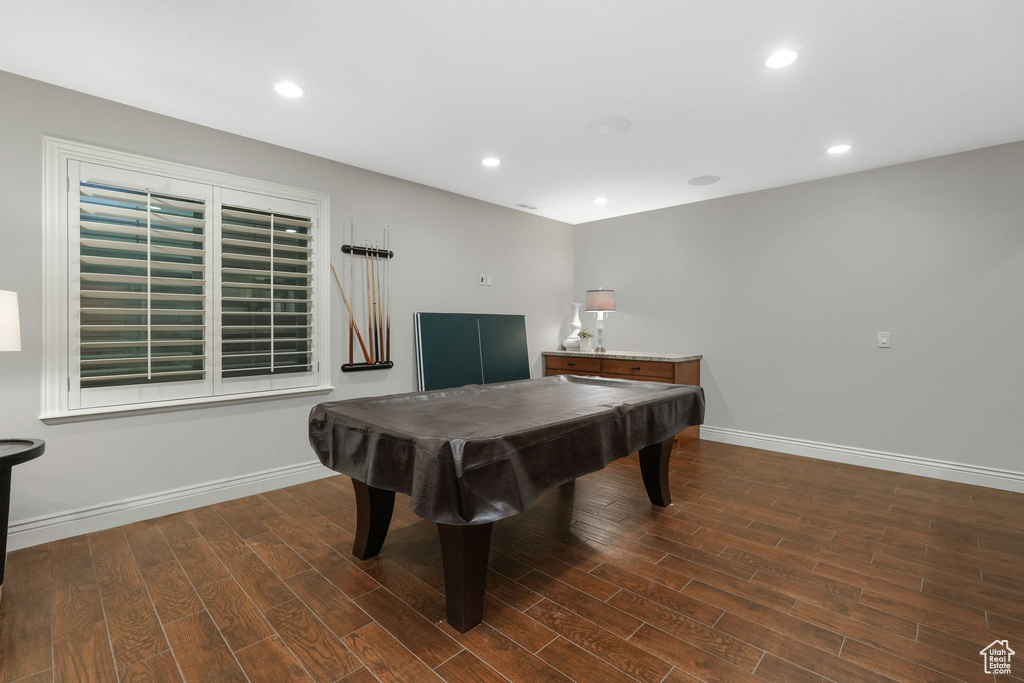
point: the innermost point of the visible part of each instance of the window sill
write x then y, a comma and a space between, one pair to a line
168, 406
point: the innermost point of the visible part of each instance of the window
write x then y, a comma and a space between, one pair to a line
170, 286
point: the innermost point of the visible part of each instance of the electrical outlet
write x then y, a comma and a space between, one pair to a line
883, 340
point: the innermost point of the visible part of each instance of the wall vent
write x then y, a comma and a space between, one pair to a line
527, 207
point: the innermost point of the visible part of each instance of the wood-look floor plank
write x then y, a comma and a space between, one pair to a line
159, 669
339, 571
328, 603
171, 592
75, 600
25, 628
817, 661
386, 658
201, 652
269, 661
135, 632
409, 589
515, 625
292, 533
70, 555
84, 655
319, 650
658, 593
262, 586
241, 519
116, 571
700, 635
277, 555
238, 619
222, 539
623, 655
504, 656
176, 528
601, 613
424, 639
148, 544
198, 561
578, 664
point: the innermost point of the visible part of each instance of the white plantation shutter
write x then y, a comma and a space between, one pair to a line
167, 285
266, 292
140, 286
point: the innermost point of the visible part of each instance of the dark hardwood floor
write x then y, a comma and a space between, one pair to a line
767, 567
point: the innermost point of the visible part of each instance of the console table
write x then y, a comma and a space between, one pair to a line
669, 368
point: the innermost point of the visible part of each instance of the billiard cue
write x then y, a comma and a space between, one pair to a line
369, 301
351, 288
380, 292
348, 306
373, 282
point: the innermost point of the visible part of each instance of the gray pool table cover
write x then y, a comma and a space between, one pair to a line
480, 453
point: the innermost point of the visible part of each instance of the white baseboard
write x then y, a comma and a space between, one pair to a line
43, 529
1007, 480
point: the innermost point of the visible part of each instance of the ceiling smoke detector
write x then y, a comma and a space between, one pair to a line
525, 207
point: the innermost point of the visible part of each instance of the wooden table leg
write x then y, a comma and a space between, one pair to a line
654, 461
373, 517
464, 551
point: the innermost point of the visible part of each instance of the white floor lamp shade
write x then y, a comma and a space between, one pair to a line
10, 324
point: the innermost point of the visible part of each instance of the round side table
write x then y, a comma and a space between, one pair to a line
12, 452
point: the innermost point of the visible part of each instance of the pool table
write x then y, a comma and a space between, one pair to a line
474, 455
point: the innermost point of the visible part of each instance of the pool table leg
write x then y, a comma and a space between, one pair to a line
464, 551
373, 517
654, 469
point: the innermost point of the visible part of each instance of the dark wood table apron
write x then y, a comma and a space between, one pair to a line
465, 548
12, 452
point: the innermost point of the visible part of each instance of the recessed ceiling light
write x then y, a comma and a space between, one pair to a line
704, 180
780, 59
610, 125
600, 200
491, 161
287, 89
840, 149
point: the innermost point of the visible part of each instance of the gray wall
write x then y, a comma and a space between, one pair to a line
784, 291
443, 242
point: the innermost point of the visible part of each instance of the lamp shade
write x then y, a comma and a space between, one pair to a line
600, 300
10, 325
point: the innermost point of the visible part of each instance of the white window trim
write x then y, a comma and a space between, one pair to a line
55, 340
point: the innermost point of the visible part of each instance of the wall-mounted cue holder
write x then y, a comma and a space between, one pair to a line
363, 251
367, 298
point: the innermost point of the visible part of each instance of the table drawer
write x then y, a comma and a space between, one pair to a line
554, 373
637, 378
638, 367
573, 364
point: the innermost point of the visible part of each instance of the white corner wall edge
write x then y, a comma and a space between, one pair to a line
60, 525
1006, 480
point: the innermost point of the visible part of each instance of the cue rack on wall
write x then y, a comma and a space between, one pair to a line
366, 272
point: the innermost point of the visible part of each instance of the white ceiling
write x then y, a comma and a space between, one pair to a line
425, 90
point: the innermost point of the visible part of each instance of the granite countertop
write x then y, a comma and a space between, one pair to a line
628, 355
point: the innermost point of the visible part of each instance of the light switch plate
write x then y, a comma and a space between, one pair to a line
883, 340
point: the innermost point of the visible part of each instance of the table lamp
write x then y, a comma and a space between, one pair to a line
12, 451
601, 302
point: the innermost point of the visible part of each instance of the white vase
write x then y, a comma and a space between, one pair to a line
572, 342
